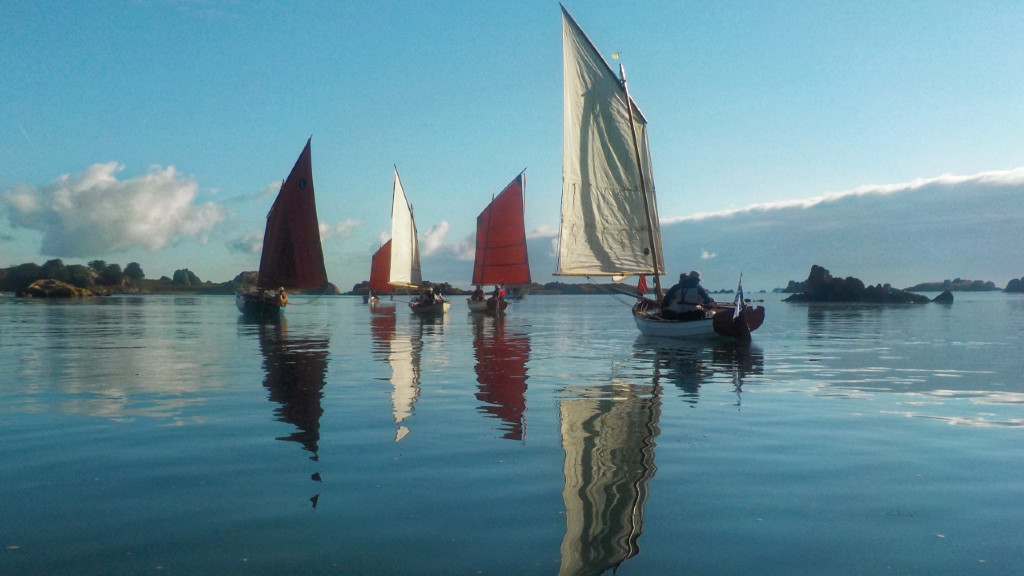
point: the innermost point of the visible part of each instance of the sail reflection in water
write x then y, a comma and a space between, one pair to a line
401, 349
501, 358
608, 436
296, 370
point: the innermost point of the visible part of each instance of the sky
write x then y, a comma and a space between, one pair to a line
883, 140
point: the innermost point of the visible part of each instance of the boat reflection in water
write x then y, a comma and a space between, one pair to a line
689, 365
501, 358
402, 350
608, 435
296, 370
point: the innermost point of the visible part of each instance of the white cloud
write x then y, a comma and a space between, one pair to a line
705, 255
269, 191
466, 249
342, 229
542, 231
95, 213
433, 240
251, 243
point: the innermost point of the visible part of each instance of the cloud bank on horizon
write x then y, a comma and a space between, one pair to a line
926, 230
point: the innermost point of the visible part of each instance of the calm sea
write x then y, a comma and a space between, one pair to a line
163, 435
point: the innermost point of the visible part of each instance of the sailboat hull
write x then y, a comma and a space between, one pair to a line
490, 305
652, 325
259, 306
721, 324
436, 308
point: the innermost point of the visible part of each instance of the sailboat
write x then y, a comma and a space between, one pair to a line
405, 254
292, 256
609, 222
501, 257
380, 271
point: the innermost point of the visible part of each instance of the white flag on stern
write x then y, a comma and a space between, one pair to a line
738, 301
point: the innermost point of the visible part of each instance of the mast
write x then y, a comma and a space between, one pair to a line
643, 184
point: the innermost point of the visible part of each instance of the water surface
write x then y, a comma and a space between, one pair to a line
164, 435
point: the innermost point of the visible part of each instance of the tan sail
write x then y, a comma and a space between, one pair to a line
609, 223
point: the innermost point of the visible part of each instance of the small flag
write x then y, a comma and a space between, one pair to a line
738, 301
615, 55
641, 286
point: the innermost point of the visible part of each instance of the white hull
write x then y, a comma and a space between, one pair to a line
654, 326
477, 305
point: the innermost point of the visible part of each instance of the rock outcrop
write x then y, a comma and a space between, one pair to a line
49, 288
821, 286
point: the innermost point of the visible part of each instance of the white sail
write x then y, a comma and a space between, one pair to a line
606, 228
405, 252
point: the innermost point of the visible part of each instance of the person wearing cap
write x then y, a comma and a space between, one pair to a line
687, 300
427, 298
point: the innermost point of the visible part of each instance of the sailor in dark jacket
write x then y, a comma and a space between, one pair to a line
687, 300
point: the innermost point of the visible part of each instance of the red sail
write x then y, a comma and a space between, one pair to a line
501, 256
292, 254
380, 269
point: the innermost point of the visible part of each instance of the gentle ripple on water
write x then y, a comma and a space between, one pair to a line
164, 435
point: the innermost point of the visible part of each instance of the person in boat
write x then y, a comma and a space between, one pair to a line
282, 297
427, 298
499, 292
687, 300
478, 294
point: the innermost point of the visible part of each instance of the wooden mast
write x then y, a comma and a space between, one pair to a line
643, 184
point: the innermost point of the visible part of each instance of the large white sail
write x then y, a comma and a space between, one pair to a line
405, 252
606, 228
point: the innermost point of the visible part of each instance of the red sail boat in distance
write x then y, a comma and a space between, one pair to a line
380, 272
293, 257
501, 255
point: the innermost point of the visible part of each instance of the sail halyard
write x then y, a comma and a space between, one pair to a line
501, 251
405, 252
293, 256
609, 224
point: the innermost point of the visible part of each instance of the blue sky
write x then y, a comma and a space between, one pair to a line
157, 131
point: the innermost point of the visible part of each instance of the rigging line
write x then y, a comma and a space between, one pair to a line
613, 295
319, 296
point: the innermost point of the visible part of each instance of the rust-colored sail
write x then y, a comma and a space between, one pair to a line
292, 254
501, 256
380, 269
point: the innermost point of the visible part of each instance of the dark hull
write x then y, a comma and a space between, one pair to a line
437, 308
259, 307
